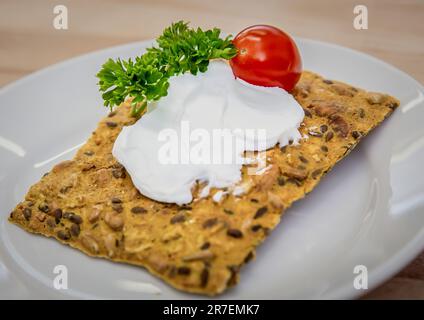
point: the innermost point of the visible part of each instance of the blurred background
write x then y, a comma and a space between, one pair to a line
395, 34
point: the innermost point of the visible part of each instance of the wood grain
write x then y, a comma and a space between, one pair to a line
29, 42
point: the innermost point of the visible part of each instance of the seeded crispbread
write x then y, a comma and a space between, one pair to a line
91, 204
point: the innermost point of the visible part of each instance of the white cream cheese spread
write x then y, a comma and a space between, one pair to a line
175, 144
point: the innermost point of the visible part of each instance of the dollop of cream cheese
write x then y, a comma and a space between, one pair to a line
208, 101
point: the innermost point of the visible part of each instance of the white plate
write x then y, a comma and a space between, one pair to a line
367, 211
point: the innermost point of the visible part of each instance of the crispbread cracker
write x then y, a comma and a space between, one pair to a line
91, 204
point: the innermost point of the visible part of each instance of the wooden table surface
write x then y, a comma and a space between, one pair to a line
28, 42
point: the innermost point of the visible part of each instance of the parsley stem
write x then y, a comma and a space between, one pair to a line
138, 108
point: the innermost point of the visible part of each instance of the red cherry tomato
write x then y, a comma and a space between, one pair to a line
267, 57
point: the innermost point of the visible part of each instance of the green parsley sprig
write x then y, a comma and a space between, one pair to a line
179, 49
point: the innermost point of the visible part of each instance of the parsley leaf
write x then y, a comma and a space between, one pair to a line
179, 49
